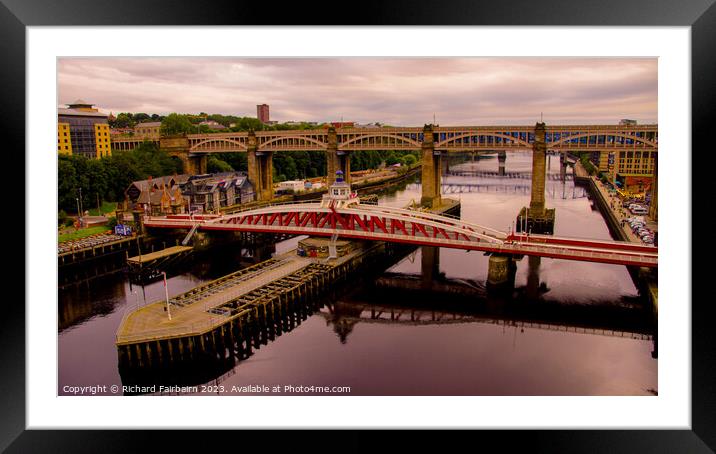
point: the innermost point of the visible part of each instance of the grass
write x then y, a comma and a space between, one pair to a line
106, 207
82, 233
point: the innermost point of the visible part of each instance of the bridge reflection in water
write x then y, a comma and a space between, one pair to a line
426, 298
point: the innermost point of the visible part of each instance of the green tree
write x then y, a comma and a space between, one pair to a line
175, 124
67, 183
238, 161
123, 120
409, 159
216, 165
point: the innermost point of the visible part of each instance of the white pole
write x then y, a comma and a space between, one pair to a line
166, 294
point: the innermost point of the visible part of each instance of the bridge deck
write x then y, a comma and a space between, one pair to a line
145, 258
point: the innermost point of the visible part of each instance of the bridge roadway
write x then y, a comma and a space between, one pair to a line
380, 223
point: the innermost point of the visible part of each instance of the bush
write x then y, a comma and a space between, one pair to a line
112, 222
61, 217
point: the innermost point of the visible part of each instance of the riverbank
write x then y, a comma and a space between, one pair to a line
615, 215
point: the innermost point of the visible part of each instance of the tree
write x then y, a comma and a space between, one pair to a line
238, 161
216, 165
66, 183
174, 124
409, 159
123, 120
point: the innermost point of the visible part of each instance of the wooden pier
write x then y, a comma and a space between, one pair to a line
227, 315
225, 319
158, 255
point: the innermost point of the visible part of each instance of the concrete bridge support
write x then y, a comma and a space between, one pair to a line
539, 219
178, 147
539, 157
653, 206
336, 160
430, 170
501, 273
195, 165
501, 158
534, 263
562, 166
430, 265
260, 165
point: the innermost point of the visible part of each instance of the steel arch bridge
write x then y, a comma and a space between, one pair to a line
402, 225
450, 138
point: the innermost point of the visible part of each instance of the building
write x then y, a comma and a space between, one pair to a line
64, 144
157, 196
633, 171
211, 192
82, 130
262, 112
291, 186
149, 130
211, 124
342, 124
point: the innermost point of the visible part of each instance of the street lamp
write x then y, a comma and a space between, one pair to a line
80, 206
166, 294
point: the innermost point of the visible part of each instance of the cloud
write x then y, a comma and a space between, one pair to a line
398, 91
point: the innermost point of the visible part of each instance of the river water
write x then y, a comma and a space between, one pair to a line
569, 328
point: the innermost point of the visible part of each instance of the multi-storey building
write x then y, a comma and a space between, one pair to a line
64, 144
149, 129
262, 113
82, 130
209, 193
634, 170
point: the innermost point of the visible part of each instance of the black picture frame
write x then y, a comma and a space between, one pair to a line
700, 15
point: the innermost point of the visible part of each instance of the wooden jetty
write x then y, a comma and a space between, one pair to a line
226, 318
145, 259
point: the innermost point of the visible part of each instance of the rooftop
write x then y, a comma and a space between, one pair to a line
79, 113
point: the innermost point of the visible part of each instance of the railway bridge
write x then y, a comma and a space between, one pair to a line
431, 141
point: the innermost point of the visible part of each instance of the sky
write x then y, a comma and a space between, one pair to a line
394, 91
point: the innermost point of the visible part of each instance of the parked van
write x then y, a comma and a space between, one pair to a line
639, 210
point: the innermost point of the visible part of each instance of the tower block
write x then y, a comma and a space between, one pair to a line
536, 218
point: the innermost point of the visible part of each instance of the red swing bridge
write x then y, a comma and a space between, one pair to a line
350, 219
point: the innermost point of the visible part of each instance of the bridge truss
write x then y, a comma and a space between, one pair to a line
401, 225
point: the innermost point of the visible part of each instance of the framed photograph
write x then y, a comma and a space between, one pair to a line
428, 219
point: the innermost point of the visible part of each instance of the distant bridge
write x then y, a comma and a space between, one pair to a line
445, 138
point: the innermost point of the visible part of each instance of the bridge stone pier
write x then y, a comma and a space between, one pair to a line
653, 207
536, 218
501, 271
260, 164
501, 158
431, 167
562, 166
429, 266
336, 159
534, 263
177, 147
